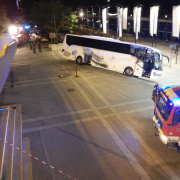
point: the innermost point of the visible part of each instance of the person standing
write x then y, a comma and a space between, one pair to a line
30, 45
39, 45
176, 49
34, 47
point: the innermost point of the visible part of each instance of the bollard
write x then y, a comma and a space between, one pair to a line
76, 70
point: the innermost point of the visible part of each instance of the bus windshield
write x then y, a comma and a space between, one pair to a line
163, 108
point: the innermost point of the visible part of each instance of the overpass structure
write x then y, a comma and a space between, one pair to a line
8, 49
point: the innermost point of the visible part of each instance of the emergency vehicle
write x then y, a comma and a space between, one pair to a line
167, 113
19, 34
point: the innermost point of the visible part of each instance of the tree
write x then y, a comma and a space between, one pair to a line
54, 16
4, 21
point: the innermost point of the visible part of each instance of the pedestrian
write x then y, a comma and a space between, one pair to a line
34, 46
177, 47
39, 45
30, 45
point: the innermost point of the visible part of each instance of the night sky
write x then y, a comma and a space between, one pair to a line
165, 5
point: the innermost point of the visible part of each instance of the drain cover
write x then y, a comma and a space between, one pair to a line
70, 90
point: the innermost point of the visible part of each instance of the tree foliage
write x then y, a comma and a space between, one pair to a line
4, 21
54, 16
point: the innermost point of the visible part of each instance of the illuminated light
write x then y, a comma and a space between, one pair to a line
130, 14
81, 14
12, 30
176, 101
26, 27
159, 125
156, 120
164, 138
20, 28
166, 86
13, 36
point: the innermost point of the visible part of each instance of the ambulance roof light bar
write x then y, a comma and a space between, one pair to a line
176, 101
169, 86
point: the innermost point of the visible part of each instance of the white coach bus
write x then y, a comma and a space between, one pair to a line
128, 58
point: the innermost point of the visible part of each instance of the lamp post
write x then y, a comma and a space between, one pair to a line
176, 25
81, 15
99, 20
93, 14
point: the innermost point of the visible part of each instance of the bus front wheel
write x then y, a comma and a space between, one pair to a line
79, 60
128, 71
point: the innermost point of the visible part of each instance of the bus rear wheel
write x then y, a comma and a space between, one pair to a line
79, 60
128, 71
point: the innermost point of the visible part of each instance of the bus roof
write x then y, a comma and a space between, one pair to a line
117, 41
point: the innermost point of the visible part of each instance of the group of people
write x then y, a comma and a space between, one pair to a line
33, 46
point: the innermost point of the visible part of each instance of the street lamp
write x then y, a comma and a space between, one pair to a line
81, 15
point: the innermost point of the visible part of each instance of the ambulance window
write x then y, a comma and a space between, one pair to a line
177, 115
163, 108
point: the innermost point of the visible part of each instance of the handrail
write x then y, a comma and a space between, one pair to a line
166, 56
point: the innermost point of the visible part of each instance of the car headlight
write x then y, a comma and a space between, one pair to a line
164, 138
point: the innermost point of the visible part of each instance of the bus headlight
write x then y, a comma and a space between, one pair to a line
164, 138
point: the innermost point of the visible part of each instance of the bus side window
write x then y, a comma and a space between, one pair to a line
177, 115
125, 48
132, 51
104, 45
113, 47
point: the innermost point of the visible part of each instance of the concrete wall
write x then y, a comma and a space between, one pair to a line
5, 60
4, 39
55, 47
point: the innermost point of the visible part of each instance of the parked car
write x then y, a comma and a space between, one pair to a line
43, 37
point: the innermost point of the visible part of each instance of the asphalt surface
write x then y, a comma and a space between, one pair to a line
97, 126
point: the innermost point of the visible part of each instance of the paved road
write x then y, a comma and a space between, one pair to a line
97, 126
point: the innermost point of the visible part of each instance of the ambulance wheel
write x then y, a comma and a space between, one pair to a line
79, 60
128, 71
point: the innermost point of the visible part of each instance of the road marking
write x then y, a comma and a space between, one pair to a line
87, 110
54, 56
32, 62
132, 160
141, 141
48, 159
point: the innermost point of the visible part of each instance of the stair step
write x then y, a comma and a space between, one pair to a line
8, 156
27, 165
13, 164
3, 132
17, 162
